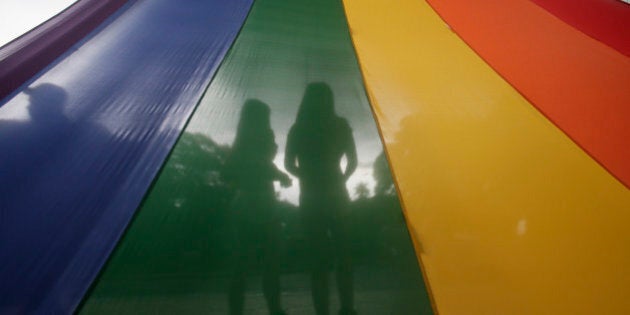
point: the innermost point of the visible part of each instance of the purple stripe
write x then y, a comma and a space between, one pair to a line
24, 57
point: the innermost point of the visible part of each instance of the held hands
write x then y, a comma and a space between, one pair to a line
285, 180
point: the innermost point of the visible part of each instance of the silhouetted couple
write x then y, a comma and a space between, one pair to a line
316, 144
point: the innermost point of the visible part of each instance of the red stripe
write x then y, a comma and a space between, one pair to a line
605, 20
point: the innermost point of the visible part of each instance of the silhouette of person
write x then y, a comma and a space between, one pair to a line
316, 144
27, 147
251, 171
45, 180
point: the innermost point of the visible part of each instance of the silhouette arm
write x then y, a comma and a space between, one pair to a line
285, 180
351, 155
290, 156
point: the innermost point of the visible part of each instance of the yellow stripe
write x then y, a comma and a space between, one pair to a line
511, 216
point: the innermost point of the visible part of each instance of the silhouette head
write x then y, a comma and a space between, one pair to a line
317, 105
254, 116
46, 100
254, 126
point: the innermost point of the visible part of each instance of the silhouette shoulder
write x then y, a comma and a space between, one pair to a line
291, 133
343, 124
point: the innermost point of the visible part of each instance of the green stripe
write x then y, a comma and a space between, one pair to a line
177, 253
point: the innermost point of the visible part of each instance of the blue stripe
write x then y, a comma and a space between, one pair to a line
80, 146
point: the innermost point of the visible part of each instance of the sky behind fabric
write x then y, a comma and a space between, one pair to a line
19, 16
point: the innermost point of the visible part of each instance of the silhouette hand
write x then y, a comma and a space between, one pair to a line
285, 181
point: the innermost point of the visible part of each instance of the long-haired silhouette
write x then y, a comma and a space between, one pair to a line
251, 171
316, 145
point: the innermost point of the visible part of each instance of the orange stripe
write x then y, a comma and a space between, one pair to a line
580, 84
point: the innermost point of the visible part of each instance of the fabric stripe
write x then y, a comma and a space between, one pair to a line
580, 84
24, 57
605, 20
80, 146
183, 252
511, 217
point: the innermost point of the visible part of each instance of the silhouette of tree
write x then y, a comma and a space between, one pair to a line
383, 177
180, 226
